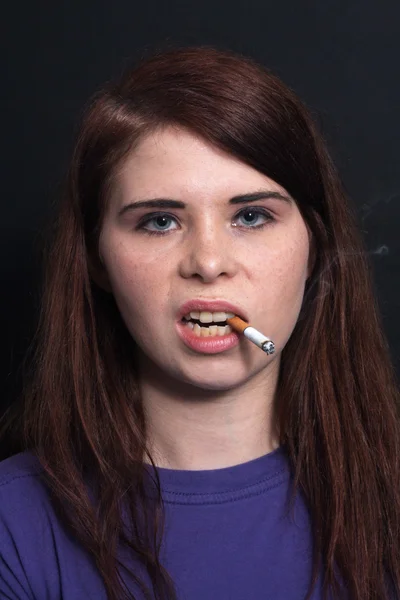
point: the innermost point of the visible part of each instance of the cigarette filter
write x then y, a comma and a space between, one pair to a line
252, 334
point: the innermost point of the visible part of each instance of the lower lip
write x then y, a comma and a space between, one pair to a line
207, 345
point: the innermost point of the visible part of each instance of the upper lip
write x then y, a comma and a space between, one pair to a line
211, 306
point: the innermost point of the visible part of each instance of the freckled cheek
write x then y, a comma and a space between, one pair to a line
282, 280
140, 289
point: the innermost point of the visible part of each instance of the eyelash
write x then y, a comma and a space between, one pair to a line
152, 216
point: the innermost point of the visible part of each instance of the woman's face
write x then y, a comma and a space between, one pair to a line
204, 244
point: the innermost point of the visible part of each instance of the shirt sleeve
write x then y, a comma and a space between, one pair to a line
28, 561
40, 559
14, 584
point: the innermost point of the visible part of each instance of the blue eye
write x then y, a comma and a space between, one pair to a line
252, 216
160, 224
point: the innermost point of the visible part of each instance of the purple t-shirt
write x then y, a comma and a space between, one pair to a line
228, 535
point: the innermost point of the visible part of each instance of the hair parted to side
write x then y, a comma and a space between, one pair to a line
338, 403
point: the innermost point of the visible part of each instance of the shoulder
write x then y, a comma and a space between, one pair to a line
21, 488
22, 491
20, 466
38, 557
21, 514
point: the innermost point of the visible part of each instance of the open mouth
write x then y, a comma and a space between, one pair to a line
208, 324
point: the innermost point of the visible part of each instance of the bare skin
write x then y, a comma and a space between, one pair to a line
203, 411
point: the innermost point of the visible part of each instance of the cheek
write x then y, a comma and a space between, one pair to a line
292, 273
284, 282
138, 285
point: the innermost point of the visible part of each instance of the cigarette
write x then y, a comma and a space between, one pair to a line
252, 334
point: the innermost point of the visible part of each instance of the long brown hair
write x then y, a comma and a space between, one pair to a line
338, 407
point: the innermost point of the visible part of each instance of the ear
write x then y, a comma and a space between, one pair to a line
98, 273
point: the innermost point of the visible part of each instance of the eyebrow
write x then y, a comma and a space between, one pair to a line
241, 199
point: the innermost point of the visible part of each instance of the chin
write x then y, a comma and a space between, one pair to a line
222, 379
216, 386
221, 383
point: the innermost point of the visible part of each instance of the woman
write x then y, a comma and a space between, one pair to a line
166, 456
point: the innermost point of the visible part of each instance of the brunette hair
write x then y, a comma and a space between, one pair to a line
338, 402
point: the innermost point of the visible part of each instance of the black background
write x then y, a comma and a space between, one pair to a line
341, 57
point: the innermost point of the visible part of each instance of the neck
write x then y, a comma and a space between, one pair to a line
195, 429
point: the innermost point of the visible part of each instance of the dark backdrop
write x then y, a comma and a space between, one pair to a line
341, 57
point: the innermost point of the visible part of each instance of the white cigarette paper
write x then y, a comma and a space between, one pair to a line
252, 334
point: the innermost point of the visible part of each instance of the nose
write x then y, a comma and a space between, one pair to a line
208, 255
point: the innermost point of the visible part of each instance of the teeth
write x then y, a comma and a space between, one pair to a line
212, 331
197, 329
205, 317
209, 317
219, 317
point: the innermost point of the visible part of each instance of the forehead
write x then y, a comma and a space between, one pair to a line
177, 161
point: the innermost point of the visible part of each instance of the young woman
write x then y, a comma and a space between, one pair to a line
164, 454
